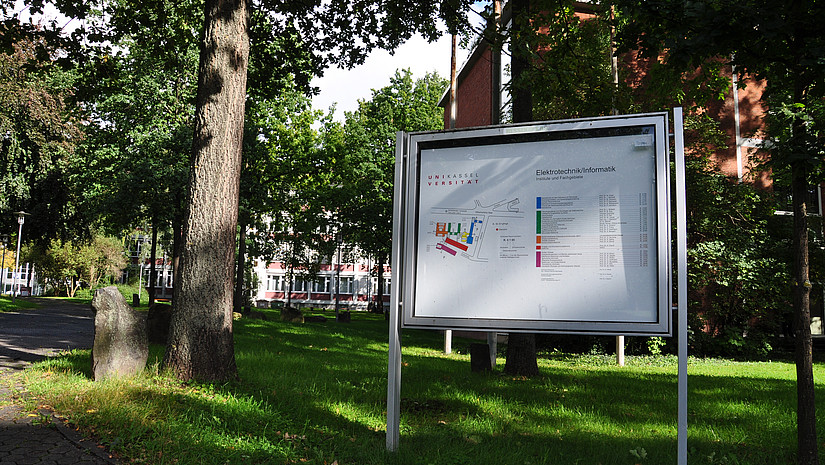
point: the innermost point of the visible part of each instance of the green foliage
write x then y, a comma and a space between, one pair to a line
368, 155
655, 345
40, 131
308, 180
68, 265
570, 74
286, 180
789, 145
738, 261
133, 165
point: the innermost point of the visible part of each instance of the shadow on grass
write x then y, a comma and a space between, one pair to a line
317, 392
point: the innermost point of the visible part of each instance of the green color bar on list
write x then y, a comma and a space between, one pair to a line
538, 222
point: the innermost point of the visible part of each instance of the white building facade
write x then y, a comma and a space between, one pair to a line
352, 285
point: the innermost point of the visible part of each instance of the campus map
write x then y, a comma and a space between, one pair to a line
460, 232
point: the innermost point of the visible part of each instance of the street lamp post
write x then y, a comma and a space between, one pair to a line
21, 218
5, 240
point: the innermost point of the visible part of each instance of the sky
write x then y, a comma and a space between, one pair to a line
346, 87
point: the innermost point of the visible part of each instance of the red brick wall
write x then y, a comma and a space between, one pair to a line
474, 97
751, 122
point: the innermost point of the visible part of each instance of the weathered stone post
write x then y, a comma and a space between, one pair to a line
121, 346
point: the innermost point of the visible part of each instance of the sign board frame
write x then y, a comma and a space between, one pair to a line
398, 253
636, 148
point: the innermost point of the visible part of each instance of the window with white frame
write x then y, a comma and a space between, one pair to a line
300, 285
274, 283
321, 285
347, 285
385, 290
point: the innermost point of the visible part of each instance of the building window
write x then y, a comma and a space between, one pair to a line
274, 283
347, 285
300, 285
385, 290
321, 285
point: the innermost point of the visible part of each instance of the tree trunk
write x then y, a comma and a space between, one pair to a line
379, 291
807, 453
805, 407
289, 279
177, 240
521, 348
201, 344
239, 271
153, 255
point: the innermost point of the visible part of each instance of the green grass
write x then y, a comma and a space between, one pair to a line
316, 393
127, 290
6, 304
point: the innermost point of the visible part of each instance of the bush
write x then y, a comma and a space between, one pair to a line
738, 262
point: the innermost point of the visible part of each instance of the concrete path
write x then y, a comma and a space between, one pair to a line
41, 436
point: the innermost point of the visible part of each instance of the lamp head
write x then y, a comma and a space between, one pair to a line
21, 216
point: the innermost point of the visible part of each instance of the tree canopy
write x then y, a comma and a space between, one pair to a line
367, 168
41, 130
781, 43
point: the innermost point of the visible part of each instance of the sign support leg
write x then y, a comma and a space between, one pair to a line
620, 351
394, 383
681, 247
396, 306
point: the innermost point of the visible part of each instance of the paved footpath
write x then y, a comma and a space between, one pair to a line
41, 436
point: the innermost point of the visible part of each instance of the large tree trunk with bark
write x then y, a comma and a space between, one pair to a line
201, 345
521, 348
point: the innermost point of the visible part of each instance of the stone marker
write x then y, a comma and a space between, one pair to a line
292, 315
121, 347
255, 315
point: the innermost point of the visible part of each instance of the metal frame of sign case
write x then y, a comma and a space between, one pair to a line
505, 141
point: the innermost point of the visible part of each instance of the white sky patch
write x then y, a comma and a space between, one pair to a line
50, 14
346, 87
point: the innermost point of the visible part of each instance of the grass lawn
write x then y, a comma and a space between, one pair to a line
316, 393
6, 304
